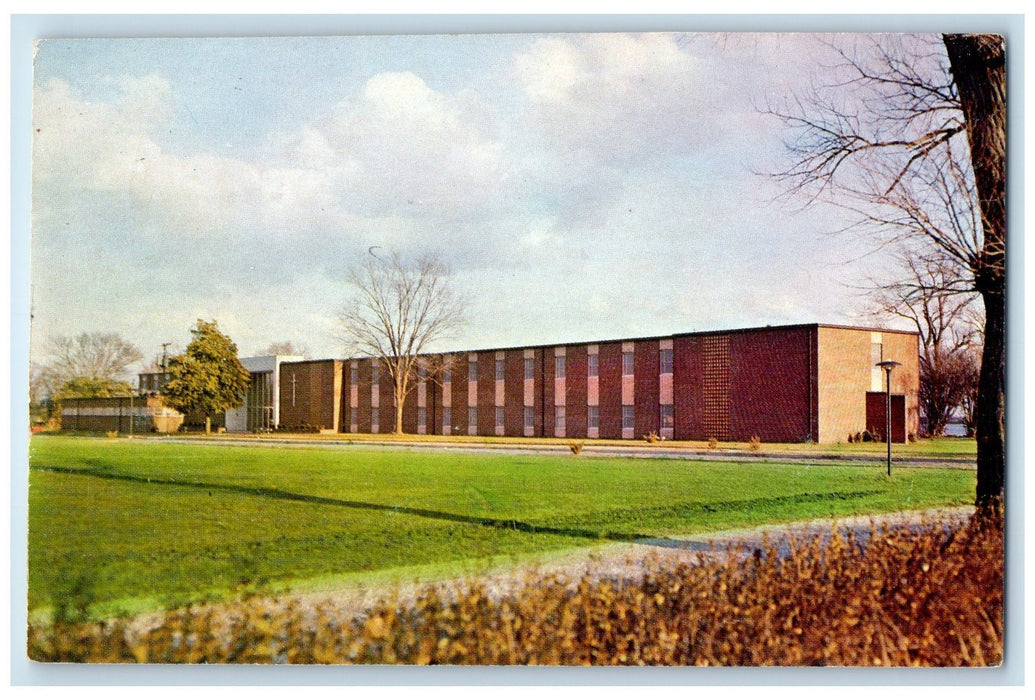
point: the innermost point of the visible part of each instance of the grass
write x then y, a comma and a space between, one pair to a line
127, 525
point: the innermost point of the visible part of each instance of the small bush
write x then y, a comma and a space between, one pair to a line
576, 447
755, 443
713, 443
112, 434
652, 437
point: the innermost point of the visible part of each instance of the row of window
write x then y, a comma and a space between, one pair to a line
593, 368
560, 417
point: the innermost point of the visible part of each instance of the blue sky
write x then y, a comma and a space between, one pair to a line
581, 186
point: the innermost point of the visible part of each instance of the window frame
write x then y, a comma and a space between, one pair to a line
665, 357
628, 364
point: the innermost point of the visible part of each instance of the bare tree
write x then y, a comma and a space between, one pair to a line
910, 136
89, 356
398, 309
941, 318
285, 347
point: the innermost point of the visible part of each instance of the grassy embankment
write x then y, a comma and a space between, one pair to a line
130, 525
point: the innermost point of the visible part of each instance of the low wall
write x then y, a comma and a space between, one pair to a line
125, 414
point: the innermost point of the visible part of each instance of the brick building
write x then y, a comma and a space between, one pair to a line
781, 383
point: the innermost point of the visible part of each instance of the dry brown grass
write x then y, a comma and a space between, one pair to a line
928, 598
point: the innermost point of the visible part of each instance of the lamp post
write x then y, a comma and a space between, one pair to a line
887, 366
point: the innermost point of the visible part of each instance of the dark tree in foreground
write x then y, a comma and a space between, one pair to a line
397, 310
911, 137
979, 68
207, 378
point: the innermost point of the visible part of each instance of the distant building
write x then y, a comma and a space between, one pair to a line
796, 383
123, 414
261, 408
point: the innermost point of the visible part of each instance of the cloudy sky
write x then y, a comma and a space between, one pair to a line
581, 187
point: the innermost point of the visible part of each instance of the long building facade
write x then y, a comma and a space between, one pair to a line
801, 383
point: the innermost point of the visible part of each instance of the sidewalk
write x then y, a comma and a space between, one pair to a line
590, 449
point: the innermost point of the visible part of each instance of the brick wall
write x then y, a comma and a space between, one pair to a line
646, 368
784, 384
311, 394
770, 390
575, 392
846, 373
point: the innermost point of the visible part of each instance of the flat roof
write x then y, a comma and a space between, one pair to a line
640, 339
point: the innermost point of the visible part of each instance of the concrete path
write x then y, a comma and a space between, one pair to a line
633, 450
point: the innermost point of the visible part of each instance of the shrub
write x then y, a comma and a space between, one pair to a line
112, 434
652, 437
712, 443
755, 443
576, 447
931, 596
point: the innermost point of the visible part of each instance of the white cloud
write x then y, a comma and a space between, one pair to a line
613, 94
600, 180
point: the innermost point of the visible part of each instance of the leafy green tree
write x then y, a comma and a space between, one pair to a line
207, 378
93, 387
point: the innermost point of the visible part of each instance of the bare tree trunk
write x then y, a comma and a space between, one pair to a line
399, 398
208, 425
979, 70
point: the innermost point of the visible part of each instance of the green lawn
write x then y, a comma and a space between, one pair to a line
137, 524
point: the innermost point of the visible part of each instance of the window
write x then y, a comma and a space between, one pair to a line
422, 372
422, 417
627, 364
667, 420
558, 420
628, 417
375, 419
472, 370
499, 416
593, 365
529, 418
593, 418
665, 361
500, 370
529, 368
447, 419
558, 367
375, 373
447, 375
354, 376
472, 421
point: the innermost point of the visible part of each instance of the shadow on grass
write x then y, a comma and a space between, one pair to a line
682, 509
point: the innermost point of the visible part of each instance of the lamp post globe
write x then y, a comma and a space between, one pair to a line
887, 366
